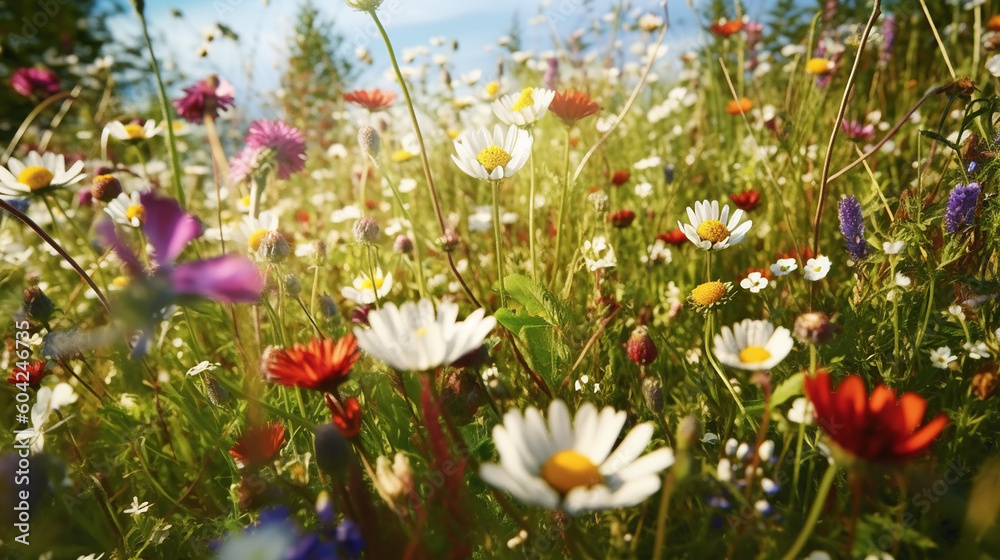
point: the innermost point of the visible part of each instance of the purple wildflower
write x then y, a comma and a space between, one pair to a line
243, 164
32, 82
207, 97
552, 73
852, 226
962, 203
888, 39
858, 132
285, 141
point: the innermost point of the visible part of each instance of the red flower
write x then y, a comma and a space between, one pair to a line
620, 178
36, 371
674, 237
725, 28
878, 429
571, 106
621, 218
371, 99
803, 254
322, 365
747, 200
346, 415
259, 445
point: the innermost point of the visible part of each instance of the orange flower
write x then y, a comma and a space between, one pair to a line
346, 415
747, 200
35, 372
572, 105
674, 237
993, 24
735, 107
725, 28
879, 429
259, 445
322, 365
371, 99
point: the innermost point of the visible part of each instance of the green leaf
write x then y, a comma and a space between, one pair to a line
789, 388
544, 348
935, 136
536, 299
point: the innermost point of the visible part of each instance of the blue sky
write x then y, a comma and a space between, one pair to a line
255, 64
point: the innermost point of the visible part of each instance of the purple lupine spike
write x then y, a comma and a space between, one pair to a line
962, 204
552, 73
852, 226
888, 39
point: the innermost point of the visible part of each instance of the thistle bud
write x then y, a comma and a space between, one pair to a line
365, 230
292, 285
369, 140
814, 327
403, 245
274, 247
449, 241
216, 393
640, 346
327, 307
333, 452
37, 305
652, 392
105, 188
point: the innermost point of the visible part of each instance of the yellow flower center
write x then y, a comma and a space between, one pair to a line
526, 100
120, 281
569, 469
422, 331
136, 211
254, 241
818, 66
492, 88
713, 230
135, 131
708, 293
493, 157
452, 133
36, 177
400, 156
245, 201
377, 285
754, 354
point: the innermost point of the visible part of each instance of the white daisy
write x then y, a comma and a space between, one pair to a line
570, 466
752, 345
127, 210
492, 157
711, 230
598, 253
977, 350
364, 288
131, 131
252, 230
755, 282
523, 109
783, 267
817, 268
413, 338
941, 357
37, 174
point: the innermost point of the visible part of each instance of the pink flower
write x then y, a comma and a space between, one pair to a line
206, 97
32, 82
273, 141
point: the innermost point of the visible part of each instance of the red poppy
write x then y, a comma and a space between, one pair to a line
735, 107
322, 365
620, 177
36, 371
673, 237
572, 105
346, 415
725, 28
259, 445
621, 218
878, 429
993, 24
747, 200
371, 99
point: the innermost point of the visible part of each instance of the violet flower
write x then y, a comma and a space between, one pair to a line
858, 132
207, 97
888, 39
35, 82
272, 142
852, 226
962, 204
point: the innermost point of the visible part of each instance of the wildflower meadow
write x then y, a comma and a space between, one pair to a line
703, 279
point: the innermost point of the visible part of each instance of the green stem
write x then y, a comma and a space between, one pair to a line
531, 218
659, 543
498, 242
562, 210
418, 262
175, 162
718, 369
817, 507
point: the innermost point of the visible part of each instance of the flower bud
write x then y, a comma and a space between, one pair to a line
328, 307
365, 230
640, 346
369, 140
274, 247
363, 5
652, 392
449, 241
292, 285
105, 188
814, 327
37, 305
394, 481
403, 245
333, 452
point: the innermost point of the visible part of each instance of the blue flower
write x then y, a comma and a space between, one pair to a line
962, 203
852, 226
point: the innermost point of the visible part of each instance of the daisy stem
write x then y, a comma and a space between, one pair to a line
709, 320
531, 217
371, 274
659, 544
417, 260
798, 453
817, 507
498, 242
562, 210
175, 162
897, 358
